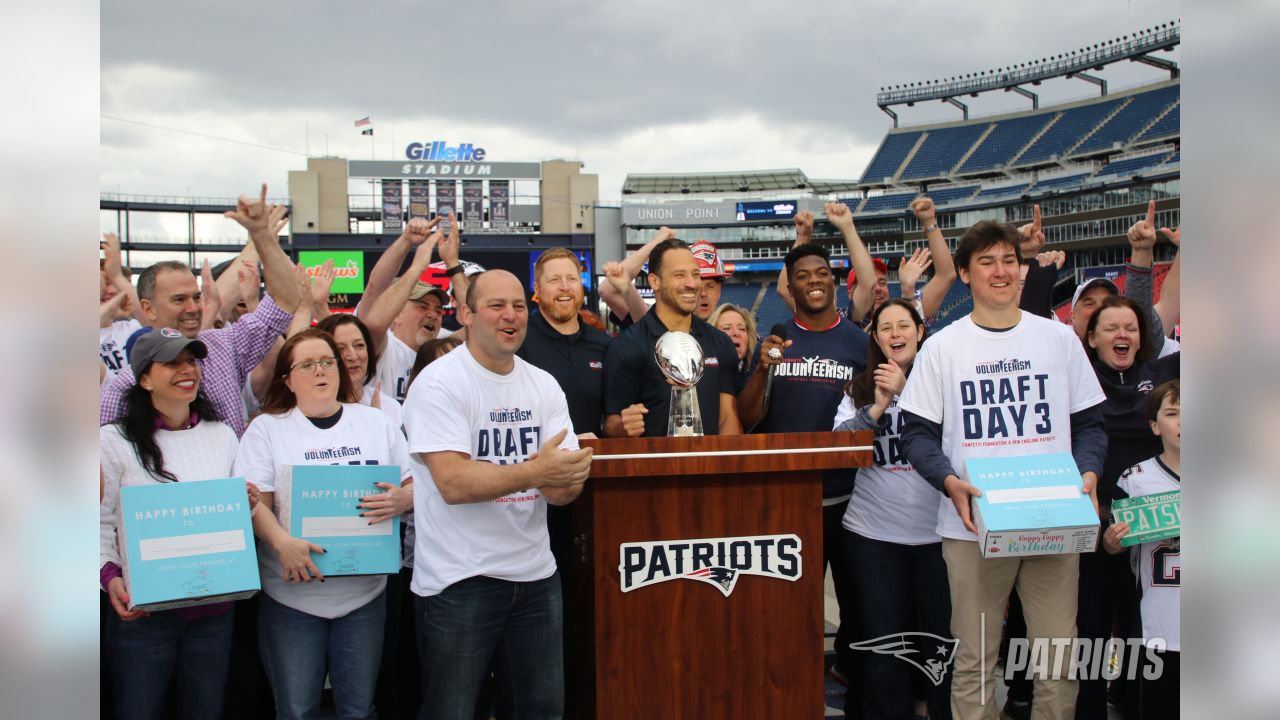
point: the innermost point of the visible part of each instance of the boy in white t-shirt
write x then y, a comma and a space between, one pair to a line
490, 443
1000, 383
1157, 565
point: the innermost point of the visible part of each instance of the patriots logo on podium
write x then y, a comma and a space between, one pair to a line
722, 577
929, 653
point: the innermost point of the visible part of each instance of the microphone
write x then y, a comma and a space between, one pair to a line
780, 330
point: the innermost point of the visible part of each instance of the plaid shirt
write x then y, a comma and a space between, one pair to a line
234, 351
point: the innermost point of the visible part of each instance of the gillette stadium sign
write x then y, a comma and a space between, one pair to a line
441, 152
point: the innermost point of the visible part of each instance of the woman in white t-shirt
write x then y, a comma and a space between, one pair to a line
354, 343
890, 540
169, 433
309, 624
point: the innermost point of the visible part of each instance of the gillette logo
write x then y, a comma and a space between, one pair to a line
437, 151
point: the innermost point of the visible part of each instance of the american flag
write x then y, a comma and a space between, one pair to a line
364, 121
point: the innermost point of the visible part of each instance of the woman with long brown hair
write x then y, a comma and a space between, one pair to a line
309, 624
890, 542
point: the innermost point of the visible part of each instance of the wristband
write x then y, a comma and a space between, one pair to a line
450, 272
931, 228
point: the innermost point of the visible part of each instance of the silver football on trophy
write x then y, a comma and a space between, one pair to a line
680, 358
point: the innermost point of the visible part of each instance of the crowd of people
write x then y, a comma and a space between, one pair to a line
239, 375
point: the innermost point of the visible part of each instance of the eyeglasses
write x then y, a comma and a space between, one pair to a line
309, 366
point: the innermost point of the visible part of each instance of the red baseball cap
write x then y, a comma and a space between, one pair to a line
881, 267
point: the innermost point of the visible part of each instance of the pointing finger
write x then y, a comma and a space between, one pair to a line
1151, 213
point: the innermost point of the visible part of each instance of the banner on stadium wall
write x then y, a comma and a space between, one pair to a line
392, 220
348, 267
446, 201
499, 202
419, 199
472, 204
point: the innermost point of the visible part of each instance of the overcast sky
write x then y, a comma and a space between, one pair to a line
653, 86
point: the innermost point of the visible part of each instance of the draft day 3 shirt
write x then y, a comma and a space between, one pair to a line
456, 405
808, 385
394, 366
999, 394
362, 436
890, 501
1157, 564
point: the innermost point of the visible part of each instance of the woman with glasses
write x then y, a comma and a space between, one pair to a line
309, 624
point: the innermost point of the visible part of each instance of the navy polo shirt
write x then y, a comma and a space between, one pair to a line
631, 374
576, 361
808, 386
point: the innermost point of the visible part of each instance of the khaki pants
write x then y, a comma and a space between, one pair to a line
1047, 586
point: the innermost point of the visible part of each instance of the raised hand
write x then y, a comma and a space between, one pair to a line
209, 295
254, 215
1174, 235
664, 233
451, 246
419, 229
839, 215
111, 263
924, 211
617, 276
250, 284
914, 267
890, 378
322, 281
1032, 234
804, 228
1142, 234
1052, 257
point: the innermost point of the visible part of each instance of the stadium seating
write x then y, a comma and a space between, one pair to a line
771, 311
1073, 124
941, 150
740, 294
1167, 126
1059, 182
882, 203
1007, 139
1135, 116
890, 155
986, 193
1132, 166
948, 194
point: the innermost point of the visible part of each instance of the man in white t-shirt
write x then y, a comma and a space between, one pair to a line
996, 383
404, 314
490, 443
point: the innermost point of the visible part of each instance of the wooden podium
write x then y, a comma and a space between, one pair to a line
687, 640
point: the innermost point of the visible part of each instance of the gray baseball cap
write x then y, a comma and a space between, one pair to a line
162, 345
1095, 282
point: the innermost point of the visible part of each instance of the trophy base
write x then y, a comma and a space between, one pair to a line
684, 418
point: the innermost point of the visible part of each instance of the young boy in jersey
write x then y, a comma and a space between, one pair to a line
1157, 565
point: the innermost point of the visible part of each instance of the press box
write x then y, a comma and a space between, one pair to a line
318, 503
1031, 505
187, 543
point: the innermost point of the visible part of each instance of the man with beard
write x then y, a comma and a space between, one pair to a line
573, 353
822, 352
637, 395
404, 314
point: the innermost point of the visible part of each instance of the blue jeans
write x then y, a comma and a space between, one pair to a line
899, 588
298, 647
146, 653
517, 625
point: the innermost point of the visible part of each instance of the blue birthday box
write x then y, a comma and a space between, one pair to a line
318, 503
1031, 505
187, 543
